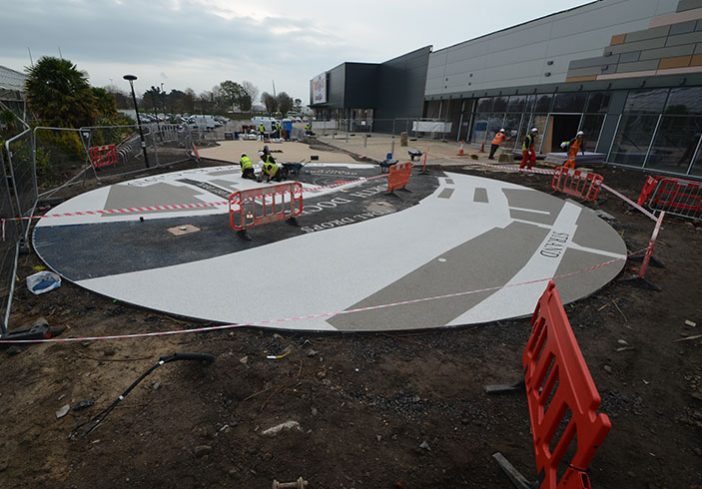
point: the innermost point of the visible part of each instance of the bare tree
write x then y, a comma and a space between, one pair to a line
270, 102
251, 90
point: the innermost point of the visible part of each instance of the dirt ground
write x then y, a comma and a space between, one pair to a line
395, 410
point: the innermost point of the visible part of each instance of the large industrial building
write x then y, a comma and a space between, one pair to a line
626, 72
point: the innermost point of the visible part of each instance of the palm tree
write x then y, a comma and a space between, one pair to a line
59, 94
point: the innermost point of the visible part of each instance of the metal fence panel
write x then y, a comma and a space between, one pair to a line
20, 153
61, 158
9, 248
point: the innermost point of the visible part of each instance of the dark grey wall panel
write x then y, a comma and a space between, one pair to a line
637, 46
648, 65
586, 63
691, 38
361, 82
336, 87
648, 34
630, 57
685, 50
402, 83
689, 5
683, 27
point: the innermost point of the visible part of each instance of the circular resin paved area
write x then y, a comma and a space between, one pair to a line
454, 250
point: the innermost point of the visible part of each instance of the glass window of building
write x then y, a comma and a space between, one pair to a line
592, 126
696, 169
530, 101
500, 104
633, 139
485, 104
598, 102
512, 125
543, 103
684, 101
647, 101
516, 103
675, 144
569, 102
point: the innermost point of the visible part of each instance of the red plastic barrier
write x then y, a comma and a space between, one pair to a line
399, 176
258, 206
562, 398
673, 195
102, 156
577, 183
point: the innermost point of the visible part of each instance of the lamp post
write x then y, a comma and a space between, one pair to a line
130, 79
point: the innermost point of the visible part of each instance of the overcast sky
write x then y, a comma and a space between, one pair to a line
199, 43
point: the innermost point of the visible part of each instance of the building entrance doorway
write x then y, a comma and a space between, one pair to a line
561, 127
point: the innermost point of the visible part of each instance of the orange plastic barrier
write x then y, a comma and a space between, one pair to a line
258, 206
674, 195
399, 176
102, 156
562, 398
577, 183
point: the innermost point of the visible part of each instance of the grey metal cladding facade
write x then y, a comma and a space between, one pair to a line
539, 52
336, 87
402, 81
361, 82
685, 5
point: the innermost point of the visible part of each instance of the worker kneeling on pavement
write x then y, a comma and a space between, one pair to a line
272, 170
247, 167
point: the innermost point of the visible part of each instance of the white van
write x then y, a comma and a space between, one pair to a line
202, 122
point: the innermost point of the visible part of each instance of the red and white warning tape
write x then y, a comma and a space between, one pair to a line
170, 207
274, 322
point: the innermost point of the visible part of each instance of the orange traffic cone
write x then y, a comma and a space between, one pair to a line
460, 150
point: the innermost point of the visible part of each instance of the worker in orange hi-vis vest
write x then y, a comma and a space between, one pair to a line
496, 142
574, 145
528, 152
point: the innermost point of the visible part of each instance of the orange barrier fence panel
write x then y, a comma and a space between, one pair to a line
259, 206
577, 183
399, 176
674, 195
102, 156
562, 398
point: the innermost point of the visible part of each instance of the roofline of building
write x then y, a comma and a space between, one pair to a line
429, 47
520, 25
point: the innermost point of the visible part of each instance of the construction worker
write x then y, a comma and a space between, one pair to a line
308, 130
573, 146
271, 170
247, 167
496, 142
261, 131
528, 153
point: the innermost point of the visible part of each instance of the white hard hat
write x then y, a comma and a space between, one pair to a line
580, 133
534, 130
502, 130
564, 145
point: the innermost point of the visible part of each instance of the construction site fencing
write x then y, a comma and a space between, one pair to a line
675, 196
22, 174
61, 157
259, 206
9, 248
566, 427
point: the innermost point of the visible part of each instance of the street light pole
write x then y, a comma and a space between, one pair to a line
130, 79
